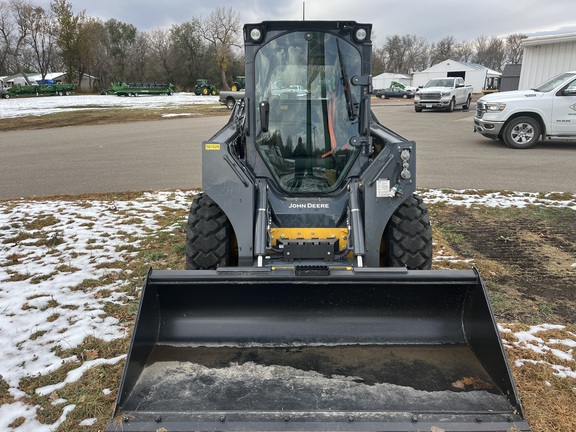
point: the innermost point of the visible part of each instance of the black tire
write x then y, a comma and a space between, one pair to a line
404, 96
467, 104
451, 106
417, 109
408, 236
208, 235
230, 103
521, 133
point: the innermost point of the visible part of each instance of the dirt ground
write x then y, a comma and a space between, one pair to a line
527, 258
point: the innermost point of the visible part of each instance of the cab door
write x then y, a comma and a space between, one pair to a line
563, 121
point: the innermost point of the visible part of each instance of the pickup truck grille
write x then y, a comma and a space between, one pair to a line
430, 96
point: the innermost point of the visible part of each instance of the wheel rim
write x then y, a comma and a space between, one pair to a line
522, 133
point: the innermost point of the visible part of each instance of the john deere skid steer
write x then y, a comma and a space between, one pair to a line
308, 303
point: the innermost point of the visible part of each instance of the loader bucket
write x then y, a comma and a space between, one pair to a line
316, 349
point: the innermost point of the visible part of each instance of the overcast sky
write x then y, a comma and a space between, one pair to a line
430, 19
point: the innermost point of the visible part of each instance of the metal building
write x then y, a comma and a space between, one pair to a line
545, 57
473, 74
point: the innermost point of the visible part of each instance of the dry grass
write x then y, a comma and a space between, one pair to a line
100, 116
549, 401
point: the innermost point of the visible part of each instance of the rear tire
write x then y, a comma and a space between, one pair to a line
409, 236
467, 104
208, 235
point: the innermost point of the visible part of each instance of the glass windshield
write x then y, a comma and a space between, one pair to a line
311, 114
551, 84
439, 83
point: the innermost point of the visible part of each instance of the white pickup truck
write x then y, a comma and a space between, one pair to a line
443, 93
521, 118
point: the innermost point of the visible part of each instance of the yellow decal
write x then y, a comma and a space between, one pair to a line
212, 147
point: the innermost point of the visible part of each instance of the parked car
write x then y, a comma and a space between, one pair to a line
393, 92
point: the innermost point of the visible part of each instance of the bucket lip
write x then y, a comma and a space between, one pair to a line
318, 421
288, 275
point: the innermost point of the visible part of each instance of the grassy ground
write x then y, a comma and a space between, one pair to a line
108, 115
527, 270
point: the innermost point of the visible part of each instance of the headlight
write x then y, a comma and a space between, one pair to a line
445, 93
494, 107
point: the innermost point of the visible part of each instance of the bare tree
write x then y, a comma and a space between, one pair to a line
42, 27
15, 17
138, 58
490, 52
160, 45
514, 49
445, 49
464, 52
401, 54
222, 30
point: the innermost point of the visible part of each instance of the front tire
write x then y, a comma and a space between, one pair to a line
451, 106
208, 235
521, 133
408, 236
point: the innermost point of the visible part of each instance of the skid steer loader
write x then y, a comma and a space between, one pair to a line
308, 302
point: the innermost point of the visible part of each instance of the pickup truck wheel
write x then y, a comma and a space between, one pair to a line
521, 133
208, 236
467, 104
230, 103
408, 236
451, 105
404, 96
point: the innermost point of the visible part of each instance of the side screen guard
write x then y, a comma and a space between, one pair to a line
366, 82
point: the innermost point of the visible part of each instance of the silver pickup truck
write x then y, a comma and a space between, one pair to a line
443, 93
229, 98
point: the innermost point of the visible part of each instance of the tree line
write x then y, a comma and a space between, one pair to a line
35, 40
410, 53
